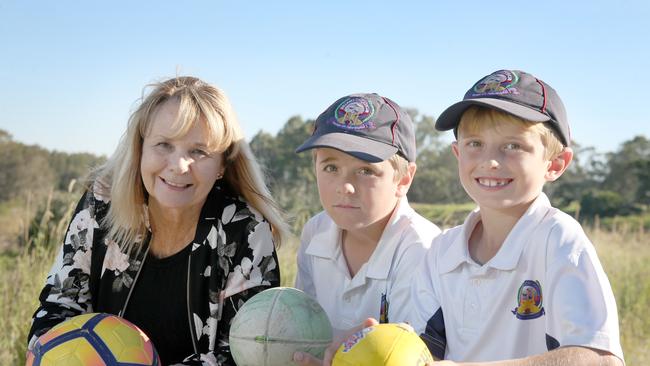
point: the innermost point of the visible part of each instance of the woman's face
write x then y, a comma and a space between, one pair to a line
177, 172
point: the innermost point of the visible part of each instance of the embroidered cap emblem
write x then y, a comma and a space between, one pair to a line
529, 301
499, 82
354, 114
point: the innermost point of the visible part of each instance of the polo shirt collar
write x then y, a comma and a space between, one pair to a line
326, 243
380, 261
508, 255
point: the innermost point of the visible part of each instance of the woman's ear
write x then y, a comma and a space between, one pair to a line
559, 164
404, 183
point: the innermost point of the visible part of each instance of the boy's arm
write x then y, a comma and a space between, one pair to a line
565, 356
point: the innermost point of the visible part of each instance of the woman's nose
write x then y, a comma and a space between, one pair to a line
180, 164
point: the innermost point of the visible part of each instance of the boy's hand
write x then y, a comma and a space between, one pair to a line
305, 359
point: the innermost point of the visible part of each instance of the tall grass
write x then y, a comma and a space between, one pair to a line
625, 254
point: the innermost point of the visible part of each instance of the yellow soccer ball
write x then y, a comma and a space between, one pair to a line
383, 344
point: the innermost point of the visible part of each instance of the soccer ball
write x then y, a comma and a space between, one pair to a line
383, 344
93, 339
275, 323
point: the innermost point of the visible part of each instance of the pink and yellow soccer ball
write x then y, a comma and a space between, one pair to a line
383, 344
93, 339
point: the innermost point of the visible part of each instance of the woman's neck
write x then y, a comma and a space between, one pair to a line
171, 230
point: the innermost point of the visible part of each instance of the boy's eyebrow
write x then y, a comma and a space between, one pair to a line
327, 160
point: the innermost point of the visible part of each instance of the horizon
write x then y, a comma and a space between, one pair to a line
74, 72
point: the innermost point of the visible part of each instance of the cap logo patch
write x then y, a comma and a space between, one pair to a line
529, 301
354, 114
499, 82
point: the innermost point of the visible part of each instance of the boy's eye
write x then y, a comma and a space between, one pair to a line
512, 146
474, 143
329, 168
366, 171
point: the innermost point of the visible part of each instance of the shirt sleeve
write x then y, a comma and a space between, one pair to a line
581, 309
67, 288
304, 277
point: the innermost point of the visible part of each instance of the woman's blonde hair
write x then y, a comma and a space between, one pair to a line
120, 178
475, 119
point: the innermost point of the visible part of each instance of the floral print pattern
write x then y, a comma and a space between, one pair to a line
233, 257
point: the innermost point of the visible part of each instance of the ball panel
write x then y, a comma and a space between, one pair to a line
272, 325
93, 339
75, 352
383, 344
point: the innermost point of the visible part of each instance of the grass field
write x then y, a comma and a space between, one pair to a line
625, 254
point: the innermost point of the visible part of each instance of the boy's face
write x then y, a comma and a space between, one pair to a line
504, 168
357, 194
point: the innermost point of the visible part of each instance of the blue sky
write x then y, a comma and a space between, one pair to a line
72, 71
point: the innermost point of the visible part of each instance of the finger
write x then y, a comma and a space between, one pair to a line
369, 323
305, 359
334, 346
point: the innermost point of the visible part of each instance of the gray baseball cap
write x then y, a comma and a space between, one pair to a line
517, 93
367, 126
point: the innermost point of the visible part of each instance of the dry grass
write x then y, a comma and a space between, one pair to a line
625, 254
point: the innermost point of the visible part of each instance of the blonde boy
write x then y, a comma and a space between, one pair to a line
519, 283
357, 256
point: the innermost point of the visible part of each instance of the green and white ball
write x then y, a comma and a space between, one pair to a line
272, 325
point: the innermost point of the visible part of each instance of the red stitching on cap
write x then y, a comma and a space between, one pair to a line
392, 129
543, 94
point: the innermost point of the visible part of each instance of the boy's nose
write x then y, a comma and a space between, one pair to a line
345, 188
491, 163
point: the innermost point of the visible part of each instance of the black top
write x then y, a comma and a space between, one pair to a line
156, 307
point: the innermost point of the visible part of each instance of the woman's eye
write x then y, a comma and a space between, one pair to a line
166, 146
199, 152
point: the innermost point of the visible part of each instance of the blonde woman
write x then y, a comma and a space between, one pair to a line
175, 232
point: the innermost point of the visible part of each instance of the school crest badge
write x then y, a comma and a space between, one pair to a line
499, 82
529, 301
354, 114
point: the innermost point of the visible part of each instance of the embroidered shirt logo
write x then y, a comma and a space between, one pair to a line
354, 113
529, 301
499, 82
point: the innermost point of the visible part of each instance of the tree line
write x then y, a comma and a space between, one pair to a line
596, 184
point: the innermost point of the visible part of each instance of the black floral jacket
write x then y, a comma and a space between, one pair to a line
233, 258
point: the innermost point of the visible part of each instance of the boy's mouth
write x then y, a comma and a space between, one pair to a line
493, 182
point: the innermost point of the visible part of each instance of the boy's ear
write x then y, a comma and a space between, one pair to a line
404, 183
454, 149
559, 164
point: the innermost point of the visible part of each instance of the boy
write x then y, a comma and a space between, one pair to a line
357, 256
519, 280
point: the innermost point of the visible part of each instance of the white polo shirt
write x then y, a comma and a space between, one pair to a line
323, 271
545, 288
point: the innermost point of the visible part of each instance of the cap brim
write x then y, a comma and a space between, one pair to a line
450, 118
359, 147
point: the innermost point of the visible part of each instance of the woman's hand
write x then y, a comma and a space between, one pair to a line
305, 359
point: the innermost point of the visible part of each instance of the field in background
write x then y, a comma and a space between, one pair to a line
624, 251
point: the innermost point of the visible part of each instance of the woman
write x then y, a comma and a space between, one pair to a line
175, 232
